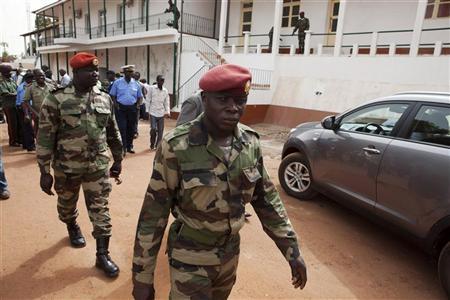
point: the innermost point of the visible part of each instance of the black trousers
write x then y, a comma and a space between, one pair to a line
27, 130
126, 120
13, 124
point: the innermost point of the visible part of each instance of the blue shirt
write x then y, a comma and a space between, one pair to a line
20, 93
126, 93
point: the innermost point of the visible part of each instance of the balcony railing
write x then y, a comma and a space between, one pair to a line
192, 24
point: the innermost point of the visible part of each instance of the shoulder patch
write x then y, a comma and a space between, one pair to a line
178, 131
248, 129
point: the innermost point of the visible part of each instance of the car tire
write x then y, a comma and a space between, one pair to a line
444, 268
295, 176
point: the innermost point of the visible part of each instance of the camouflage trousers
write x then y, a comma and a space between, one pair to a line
96, 188
202, 282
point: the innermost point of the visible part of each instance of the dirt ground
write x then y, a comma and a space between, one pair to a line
347, 256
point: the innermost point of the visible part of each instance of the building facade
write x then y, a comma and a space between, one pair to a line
356, 50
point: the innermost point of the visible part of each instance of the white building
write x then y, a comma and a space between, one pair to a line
359, 49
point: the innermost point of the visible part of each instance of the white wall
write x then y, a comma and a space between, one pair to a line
343, 82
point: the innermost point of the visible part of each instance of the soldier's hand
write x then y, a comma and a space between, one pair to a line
143, 292
46, 183
115, 169
298, 269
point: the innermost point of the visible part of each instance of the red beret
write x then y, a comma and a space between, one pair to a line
83, 59
229, 78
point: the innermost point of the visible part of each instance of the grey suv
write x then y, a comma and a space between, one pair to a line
388, 158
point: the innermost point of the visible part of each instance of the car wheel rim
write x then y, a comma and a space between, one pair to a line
297, 177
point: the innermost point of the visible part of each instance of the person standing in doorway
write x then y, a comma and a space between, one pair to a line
159, 108
127, 94
302, 25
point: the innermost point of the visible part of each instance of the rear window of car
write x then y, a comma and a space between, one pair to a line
432, 125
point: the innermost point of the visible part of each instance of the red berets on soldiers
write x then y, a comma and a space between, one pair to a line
83, 59
229, 78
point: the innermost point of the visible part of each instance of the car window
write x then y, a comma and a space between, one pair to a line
376, 119
431, 125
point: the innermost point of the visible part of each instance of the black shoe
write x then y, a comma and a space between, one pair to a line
103, 260
130, 150
75, 236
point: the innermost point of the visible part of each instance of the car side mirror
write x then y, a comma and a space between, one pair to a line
329, 123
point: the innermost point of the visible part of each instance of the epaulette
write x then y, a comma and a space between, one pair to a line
178, 131
248, 129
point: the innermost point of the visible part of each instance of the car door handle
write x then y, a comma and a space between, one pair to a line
370, 150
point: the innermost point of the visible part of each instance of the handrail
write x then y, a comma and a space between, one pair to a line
198, 71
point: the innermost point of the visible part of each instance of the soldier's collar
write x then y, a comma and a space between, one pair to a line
198, 135
96, 90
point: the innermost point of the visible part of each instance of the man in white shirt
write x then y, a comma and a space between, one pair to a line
65, 78
159, 108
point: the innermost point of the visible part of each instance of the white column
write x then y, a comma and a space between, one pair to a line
258, 48
233, 49
392, 47
292, 50
319, 49
355, 49
373, 44
437, 48
307, 43
340, 27
223, 23
277, 27
246, 41
420, 15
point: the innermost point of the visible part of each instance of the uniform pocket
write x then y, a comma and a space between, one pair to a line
102, 115
250, 177
71, 117
199, 189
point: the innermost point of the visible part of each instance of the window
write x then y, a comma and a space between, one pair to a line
101, 21
291, 11
437, 9
431, 125
334, 16
246, 18
377, 119
120, 11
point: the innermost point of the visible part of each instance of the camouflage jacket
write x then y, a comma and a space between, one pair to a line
8, 92
207, 195
36, 94
75, 131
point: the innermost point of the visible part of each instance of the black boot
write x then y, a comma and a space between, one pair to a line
75, 236
104, 261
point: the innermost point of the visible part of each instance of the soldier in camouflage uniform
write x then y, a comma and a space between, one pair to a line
302, 25
205, 172
77, 125
34, 96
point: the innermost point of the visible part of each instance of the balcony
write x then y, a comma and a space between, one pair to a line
190, 24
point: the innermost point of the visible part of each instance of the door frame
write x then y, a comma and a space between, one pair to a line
330, 39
